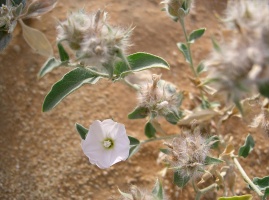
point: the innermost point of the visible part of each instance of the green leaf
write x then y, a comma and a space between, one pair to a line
213, 141
36, 40
184, 50
37, 8
134, 149
180, 180
264, 89
5, 38
49, 65
262, 184
215, 45
165, 151
158, 190
200, 68
196, 34
138, 62
212, 161
244, 197
150, 131
82, 131
69, 83
173, 117
63, 54
133, 141
138, 113
247, 147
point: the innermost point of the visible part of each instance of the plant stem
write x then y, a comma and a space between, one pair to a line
205, 190
246, 178
134, 86
188, 46
159, 138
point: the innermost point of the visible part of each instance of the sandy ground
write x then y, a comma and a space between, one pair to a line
41, 156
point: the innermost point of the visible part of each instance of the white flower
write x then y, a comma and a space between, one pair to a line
106, 143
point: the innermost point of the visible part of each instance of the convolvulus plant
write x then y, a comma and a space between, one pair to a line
200, 154
14, 11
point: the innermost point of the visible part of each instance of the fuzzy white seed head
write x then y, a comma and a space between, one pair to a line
94, 41
159, 97
188, 154
243, 62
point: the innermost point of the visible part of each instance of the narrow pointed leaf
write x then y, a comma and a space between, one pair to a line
212, 161
244, 197
150, 131
200, 68
215, 45
63, 54
5, 38
179, 180
165, 151
196, 34
36, 40
138, 62
184, 50
138, 113
213, 141
37, 8
133, 141
69, 83
49, 65
81, 130
247, 147
157, 191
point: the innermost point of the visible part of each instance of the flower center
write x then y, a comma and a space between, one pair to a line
108, 143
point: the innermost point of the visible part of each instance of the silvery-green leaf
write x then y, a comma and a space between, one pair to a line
150, 131
49, 65
36, 40
184, 50
133, 141
63, 54
158, 191
134, 149
5, 38
180, 180
247, 147
212, 161
138, 62
138, 113
196, 34
68, 84
39, 7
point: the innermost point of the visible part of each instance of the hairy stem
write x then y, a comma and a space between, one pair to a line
205, 190
134, 86
246, 178
188, 46
159, 138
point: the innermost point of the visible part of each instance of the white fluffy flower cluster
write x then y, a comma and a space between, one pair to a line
94, 41
160, 98
242, 64
188, 154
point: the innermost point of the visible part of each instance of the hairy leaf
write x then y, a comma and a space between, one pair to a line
158, 190
196, 34
180, 180
212, 161
36, 40
150, 131
49, 65
5, 38
39, 7
138, 62
68, 84
138, 113
184, 50
82, 131
247, 147
133, 141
